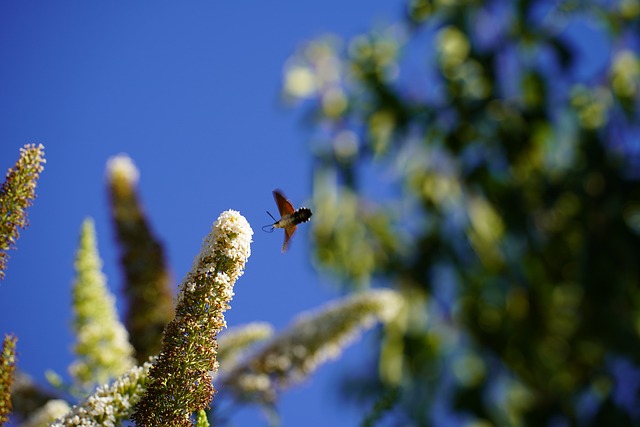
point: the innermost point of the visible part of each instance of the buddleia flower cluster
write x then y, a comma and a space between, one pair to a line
182, 370
7, 369
109, 405
234, 341
16, 195
147, 284
102, 348
312, 340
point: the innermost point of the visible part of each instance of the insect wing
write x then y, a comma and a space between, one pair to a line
288, 232
284, 206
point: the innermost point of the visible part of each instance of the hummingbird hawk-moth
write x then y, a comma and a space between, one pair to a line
289, 217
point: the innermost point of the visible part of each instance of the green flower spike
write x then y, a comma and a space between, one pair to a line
180, 381
16, 195
311, 341
7, 369
102, 348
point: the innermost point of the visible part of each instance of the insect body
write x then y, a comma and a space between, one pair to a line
289, 217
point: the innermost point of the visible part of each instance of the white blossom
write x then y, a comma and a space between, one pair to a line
109, 404
53, 409
122, 167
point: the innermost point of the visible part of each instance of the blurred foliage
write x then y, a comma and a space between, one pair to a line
482, 157
148, 283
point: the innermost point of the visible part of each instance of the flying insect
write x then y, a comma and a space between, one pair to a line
289, 217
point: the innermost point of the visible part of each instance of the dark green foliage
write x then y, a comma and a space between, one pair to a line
502, 188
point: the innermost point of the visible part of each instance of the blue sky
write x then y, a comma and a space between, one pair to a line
191, 92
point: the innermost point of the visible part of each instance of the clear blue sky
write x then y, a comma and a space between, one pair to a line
190, 90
